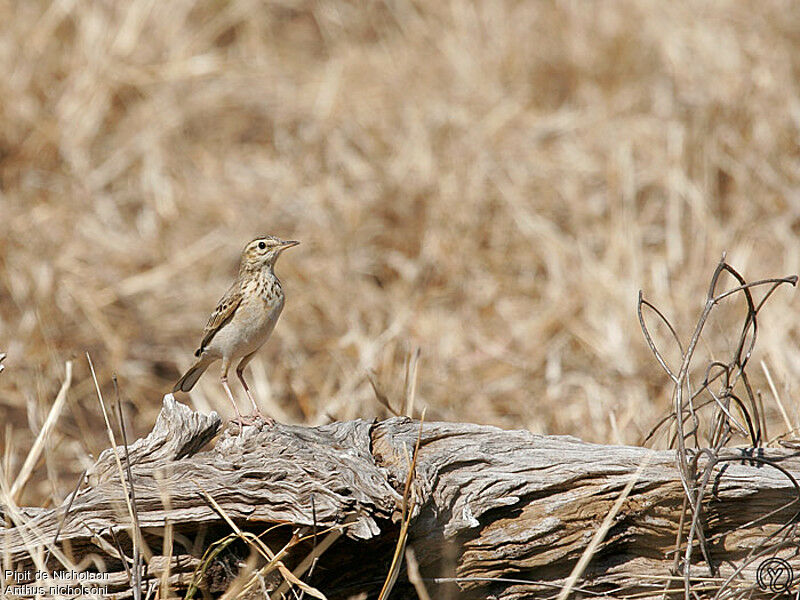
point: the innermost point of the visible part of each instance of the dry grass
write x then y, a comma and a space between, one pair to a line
492, 184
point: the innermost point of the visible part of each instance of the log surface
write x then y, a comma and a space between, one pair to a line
498, 514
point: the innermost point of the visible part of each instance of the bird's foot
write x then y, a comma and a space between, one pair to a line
259, 416
257, 419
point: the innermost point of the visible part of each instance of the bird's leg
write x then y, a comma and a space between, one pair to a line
224, 379
240, 374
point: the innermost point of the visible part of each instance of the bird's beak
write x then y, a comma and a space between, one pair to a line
288, 244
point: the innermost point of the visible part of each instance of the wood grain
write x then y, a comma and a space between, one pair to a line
500, 514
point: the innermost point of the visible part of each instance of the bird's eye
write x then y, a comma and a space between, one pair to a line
261, 245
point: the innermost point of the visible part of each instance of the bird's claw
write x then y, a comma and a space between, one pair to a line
258, 415
254, 419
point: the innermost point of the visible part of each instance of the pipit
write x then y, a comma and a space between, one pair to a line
243, 320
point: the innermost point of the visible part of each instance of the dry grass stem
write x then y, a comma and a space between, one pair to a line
412, 362
166, 551
776, 396
307, 563
601, 532
139, 547
380, 395
130, 491
414, 576
65, 516
409, 504
41, 439
273, 560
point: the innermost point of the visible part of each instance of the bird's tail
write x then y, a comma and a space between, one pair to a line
191, 376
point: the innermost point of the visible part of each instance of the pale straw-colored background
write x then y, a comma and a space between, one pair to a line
489, 182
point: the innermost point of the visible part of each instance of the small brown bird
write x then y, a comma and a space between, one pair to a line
243, 320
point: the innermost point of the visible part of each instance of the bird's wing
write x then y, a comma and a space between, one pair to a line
222, 314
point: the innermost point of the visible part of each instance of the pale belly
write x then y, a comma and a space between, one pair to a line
250, 327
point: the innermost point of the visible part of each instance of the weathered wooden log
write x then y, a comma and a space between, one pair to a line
498, 514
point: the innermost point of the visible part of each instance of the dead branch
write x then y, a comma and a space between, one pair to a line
733, 394
502, 514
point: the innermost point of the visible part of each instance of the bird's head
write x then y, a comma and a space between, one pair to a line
264, 251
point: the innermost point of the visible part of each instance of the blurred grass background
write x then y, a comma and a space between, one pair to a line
490, 182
